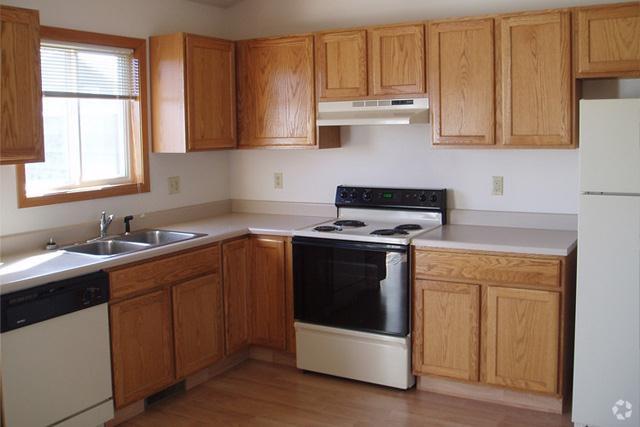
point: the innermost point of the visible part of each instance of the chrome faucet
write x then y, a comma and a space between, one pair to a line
105, 222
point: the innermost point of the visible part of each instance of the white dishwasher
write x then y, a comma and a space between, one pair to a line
55, 354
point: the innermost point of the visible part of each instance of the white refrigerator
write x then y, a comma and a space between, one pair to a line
606, 384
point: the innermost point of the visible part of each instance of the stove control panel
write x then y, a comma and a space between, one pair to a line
399, 198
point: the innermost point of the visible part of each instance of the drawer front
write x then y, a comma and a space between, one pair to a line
165, 271
498, 269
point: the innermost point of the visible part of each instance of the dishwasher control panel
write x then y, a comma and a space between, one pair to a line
37, 304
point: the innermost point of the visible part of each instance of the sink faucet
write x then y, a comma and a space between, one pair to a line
105, 222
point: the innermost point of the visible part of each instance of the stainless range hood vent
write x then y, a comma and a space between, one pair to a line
406, 111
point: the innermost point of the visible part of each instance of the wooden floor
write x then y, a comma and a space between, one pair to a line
265, 394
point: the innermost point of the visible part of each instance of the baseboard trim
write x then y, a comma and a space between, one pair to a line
487, 393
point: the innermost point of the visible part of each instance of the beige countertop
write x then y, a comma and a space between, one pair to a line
500, 239
35, 268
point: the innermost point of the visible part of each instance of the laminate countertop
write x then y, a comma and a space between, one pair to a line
499, 239
35, 268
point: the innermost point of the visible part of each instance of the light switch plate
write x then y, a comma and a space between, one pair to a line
174, 184
497, 188
278, 181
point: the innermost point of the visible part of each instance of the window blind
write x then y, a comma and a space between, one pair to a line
81, 71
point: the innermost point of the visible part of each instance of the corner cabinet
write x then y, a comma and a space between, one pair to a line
494, 319
21, 124
193, 94
607, 40
235, 270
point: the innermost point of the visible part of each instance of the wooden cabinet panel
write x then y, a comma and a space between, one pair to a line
268, 310
396, 60
141, 346
21, 132
534, 80
198, 322
341, 64
192, 93
235, 269
131, 280
446, 329
608, 41
461, 82
521, 331
276, 104
490, 268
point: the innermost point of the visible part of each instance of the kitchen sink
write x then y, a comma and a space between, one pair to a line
158, 237
107, 247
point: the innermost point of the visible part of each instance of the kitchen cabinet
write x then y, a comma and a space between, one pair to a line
21, 124
141, 346
521, 331
534, 84
198, 322
235, 270
267, 292
341, 64
446, 325
276, 106
494, 319
462, 82
396, 60
607, 40
193, 94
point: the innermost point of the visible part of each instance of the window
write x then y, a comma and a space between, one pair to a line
94, 108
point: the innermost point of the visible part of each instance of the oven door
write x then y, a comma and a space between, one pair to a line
352, 285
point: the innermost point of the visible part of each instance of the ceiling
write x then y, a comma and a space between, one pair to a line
218, 3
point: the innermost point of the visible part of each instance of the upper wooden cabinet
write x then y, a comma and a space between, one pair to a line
607, 40
396, 60
461, 82
192, 93
21, 133
276, 104
341, 64
534, 84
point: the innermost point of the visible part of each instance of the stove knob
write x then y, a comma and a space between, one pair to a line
366, 195
422, 197
433, 198
343, 194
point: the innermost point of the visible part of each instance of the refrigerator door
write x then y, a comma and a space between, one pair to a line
610, 146
606, 385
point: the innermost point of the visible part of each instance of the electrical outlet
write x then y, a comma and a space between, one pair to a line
497, 188
174, 184
278, 181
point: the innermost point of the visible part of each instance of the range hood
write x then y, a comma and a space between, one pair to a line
406, 111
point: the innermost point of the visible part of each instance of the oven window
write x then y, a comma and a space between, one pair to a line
351, 286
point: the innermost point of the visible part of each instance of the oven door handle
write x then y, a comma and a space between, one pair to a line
347, 244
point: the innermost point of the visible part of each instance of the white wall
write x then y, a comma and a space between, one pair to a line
204, 176
534, 180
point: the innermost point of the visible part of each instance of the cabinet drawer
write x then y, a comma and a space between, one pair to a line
164, 271
505, 269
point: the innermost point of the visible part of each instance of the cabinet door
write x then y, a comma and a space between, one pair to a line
461, 82
446, 329
235, 269
211, 102
608, 41
141, 346
198, 323
276, 92
534, 80
521, 329
268, 292
341, 64
396, 60
21, 133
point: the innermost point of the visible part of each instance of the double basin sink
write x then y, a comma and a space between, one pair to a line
130, 242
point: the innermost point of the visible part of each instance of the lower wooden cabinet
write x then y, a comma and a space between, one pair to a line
142, 346
198, 323
521, 331
267, 303
235, 270
446, 329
